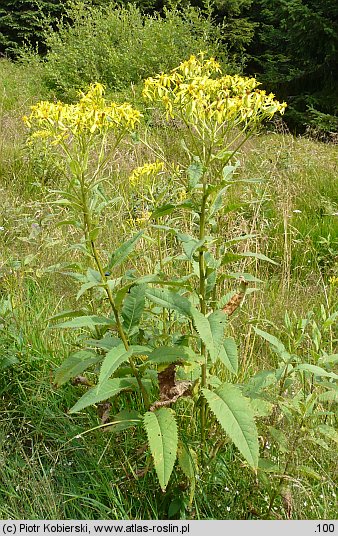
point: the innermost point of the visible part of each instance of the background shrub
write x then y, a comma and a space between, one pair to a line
120, 46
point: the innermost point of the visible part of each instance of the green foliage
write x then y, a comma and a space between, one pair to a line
161, 430
118, 46
24, 22
234, 413
294, 52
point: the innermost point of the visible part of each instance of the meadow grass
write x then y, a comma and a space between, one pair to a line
50, 468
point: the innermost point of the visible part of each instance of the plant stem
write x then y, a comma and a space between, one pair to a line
94, 253
203, 305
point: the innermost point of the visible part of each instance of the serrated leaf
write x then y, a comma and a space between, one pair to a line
75, 364
260, 381
331, 359
164, 210
317, 371
85, 287
105, 390
122, 252
228, 355
132, 309
162, 435
187, 459
170, 354
308, 471
189, 244
235, 415
114, 358
211, 330
86, 322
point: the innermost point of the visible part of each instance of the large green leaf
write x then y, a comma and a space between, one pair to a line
234, 413
122, 252
103, 391
171, 300
161, 430
132, 309
114, 358
86, 322
75, 364
211, 330
228, 355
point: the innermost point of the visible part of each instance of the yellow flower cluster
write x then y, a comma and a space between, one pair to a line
91, 114
147, 170
192, 91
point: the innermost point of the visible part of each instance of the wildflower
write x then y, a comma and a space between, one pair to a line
297, 211
91, 115
228, 508
2, 228
145, 171
192, 91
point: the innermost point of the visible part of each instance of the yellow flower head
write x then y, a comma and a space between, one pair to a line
91, 114
196, 91
144, 172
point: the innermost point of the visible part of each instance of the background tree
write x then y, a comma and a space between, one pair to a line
294, 51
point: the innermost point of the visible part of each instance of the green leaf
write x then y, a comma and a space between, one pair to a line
261, 408
330, 359
195, 172
190, 244
114, 358
259, 256
123, 420
87, 286
103, 391
211, 330
309, 471
164, 210
328, 431
75, 364
7, 361
161, 430
86, 322
228, 355
171, 300
234, 413
132, 309
317, 371
69, 313
122, 252
187, 459
276, 344
170, 354
280, 439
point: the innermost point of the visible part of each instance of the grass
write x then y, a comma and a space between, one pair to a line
50, 468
